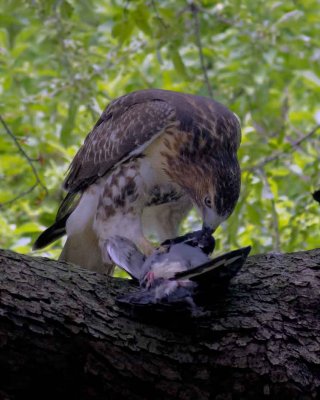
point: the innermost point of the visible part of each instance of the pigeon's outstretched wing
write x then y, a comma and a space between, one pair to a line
146, 297
126, 255
221, 268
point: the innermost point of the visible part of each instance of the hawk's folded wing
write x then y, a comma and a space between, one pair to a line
124, 129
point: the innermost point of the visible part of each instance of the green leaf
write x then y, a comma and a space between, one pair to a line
27, 227
69, 123
66, 9
141, 18
122, 30
178, 63
311, 77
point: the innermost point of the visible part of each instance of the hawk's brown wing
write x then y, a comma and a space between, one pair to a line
124, 129
133, 121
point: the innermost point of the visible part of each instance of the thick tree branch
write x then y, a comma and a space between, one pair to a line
62, 334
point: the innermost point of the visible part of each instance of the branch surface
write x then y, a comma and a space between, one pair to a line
62, 333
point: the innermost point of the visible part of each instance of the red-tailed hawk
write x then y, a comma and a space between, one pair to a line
151, 155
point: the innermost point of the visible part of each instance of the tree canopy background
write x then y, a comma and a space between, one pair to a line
61, 62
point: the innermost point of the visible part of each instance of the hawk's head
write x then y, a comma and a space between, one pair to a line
203, 161
218, 190
213, 184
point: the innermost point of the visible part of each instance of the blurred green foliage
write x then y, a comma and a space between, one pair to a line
62, 61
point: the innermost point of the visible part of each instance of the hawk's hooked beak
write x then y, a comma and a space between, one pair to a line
211, 220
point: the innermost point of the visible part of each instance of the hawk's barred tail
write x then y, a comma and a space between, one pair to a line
54, 232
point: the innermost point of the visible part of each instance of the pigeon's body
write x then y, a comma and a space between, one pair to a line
179, 257
176, 271
175, 255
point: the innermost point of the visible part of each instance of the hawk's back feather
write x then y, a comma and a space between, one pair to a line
133, 121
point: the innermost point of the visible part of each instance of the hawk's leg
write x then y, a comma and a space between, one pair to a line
145, 246
128, 226
163, 221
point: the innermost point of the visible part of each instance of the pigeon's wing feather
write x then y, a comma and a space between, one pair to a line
220, 268
146, 297
126, 255
188, 255
202, 238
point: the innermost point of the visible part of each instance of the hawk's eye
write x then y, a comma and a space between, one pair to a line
208, 202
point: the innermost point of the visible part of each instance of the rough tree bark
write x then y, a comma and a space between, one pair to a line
63, 335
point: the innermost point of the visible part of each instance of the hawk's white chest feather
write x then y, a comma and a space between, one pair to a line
85, 211
109, 208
